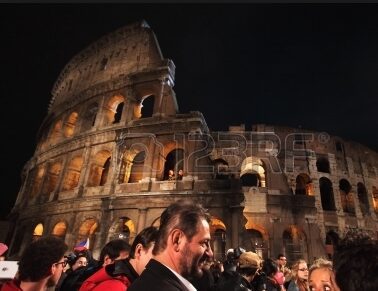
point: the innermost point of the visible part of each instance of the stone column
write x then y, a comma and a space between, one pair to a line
84, 169
142, 219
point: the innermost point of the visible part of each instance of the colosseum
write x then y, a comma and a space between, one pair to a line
114, 151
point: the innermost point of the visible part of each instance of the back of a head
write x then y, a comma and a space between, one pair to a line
113, 249
184, 215
147, 237
356, 262
269, 267
39, 256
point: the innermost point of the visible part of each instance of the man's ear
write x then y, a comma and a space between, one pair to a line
176, 239
107, 260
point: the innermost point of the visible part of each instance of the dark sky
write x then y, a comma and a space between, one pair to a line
314, 66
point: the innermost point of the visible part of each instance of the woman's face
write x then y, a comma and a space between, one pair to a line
322, 279
80, 262
303, 271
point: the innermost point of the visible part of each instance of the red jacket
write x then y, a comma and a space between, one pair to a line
12, 285
101, 281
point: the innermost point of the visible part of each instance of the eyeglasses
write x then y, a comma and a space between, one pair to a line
303, 269
64, 263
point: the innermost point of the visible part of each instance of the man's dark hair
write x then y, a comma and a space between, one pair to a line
269, 267
356, 262
113, 249
147, 237
38, 257
184, 215
280, 256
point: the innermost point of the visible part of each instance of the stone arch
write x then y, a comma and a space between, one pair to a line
36, 183
38, 231
114, 109
132, 165
218, 235
60, 229
256, 233
375, 198
303, 185
70, 124
52, 177
87, 230
56, 131
89, 117
73, 171
137, 168
326, 194
294, 243
331, 242
253, 173
174, 161
346, 196
122, 228
145, 108
363, 198
99, 169
322, 165
220, 169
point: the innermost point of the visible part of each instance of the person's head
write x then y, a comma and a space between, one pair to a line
281, 260
299, 270
249, 264
356, 262
78, 259
43, 258
141, 249
116, 249
321, 276
184, 235
270, 267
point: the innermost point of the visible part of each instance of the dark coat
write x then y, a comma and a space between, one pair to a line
157, 277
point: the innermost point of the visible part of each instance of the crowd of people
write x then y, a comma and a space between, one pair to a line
178, 257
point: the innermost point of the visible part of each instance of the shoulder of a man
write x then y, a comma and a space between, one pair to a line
10, 285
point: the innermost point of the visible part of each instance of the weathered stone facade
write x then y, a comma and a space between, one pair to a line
113, 132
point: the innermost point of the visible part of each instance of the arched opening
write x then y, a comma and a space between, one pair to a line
326, 194
253, 173
73, 173
114, 109
60, 229
36, 182
118, 113
38, 231
303, 185
375, 199
123, 228
254, 241
295, 244
218, 235
363, 198
99, 169
137, 168
174, 162
332, 240
87, 231
251, 180
346, 197
89, 118
322, 165
70, 124
147, 106
55, 132
220, 169
52, 177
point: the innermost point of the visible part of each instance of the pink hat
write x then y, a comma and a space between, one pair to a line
3, 248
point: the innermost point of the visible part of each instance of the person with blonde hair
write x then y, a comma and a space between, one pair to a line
322, 276
299, 280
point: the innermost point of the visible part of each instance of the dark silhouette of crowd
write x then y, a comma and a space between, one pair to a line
178, 257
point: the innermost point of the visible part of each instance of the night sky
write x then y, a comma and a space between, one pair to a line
300, 65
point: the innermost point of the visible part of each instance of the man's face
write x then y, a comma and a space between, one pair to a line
56, 273
196, 251
282, 261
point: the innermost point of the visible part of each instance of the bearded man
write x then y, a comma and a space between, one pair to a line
182, 247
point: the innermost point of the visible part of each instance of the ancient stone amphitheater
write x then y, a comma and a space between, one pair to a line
113, 132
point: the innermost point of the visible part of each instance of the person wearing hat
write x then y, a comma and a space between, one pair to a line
248, 265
